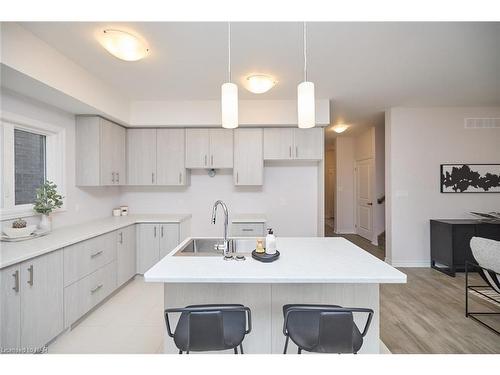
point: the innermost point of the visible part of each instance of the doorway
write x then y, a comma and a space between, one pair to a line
364, 198
330, 183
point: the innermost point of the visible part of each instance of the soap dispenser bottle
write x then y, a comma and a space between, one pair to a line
270, 242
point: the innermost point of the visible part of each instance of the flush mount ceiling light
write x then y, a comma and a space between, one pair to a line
229, 93
123, 45
259, 83
306, 108
340, 128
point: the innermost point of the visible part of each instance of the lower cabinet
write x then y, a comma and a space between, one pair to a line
154, 241
125, 255
32, 302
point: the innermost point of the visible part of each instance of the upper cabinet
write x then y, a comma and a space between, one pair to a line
156, 157
293, 144
248, 157
209, 148
101, 152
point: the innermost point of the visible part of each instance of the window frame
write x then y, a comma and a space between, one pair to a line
55, 154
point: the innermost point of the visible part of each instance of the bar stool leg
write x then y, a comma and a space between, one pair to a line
235, 350
299, 351
180, 351
241, 348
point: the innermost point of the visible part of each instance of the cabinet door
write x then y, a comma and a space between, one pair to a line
141, 156
308, 144
169, 238
41, 299
170, 166
107, 155
278, 144
148, 246
126, 254
10, 308
221, 148
248, 157
120, 155
197, 148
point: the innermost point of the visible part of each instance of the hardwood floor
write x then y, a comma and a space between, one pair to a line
426, 315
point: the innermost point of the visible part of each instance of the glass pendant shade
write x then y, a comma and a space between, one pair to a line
229, 105
306, 108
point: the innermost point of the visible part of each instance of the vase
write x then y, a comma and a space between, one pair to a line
45, 223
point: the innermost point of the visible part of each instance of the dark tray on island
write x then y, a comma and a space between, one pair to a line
266, 258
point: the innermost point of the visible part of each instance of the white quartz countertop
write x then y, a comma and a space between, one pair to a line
302, 260
15, 252
248, 218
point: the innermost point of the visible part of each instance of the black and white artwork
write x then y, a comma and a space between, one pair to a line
470, 178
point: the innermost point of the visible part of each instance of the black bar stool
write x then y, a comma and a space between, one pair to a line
324, 328
210, 327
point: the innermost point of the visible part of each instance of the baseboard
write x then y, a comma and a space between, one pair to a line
409, 263
345, 232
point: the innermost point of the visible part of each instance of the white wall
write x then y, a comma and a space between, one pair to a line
344, 197
418, 140
288, 198
81, 204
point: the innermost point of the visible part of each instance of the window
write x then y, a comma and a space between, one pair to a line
32, 152
29, 165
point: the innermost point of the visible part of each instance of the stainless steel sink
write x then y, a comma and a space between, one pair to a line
208, 246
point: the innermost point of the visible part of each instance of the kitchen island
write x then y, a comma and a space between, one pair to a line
309, 270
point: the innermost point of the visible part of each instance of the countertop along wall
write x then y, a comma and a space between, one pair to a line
81, 204
418, 140
288, 198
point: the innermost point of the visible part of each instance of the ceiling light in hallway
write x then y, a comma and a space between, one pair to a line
259, 83
340, 128
306, 108
123, 45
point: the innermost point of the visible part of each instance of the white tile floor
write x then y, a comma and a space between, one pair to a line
131, 321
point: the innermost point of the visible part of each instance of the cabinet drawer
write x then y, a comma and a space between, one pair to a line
85, 257
247, 230
81, 296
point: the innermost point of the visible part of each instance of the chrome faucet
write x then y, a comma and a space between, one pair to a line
225, 245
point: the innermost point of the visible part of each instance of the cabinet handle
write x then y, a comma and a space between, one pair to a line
118, 177
237, 177
113, 177
180, 177
15, 275
121, 237
247, 230
162, 231
95, 254
93, 290
30, 271
205, 160
152, 178
212, 160
290, 151
155, 230
296, 151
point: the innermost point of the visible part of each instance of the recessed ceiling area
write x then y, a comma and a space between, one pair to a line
363, 68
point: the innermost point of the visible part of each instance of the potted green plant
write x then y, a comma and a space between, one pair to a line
47, 200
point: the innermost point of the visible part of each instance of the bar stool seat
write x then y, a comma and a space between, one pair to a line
210, 327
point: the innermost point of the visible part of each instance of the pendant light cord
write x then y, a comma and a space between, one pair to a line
229, 50
305, 52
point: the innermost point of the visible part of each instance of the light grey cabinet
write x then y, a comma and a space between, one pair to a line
100, 152
42, 303
293, 144
170, 159
141, 156
209, 148
10, 308
32, 302
248, 157
126, 254
154, 241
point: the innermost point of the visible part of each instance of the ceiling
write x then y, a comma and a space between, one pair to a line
363, 68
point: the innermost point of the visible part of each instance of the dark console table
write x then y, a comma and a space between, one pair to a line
450, 242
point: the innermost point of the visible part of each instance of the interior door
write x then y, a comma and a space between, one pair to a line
141, 156
364, 202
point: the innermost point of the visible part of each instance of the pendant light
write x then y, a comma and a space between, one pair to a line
306, 109
229, 94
